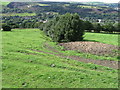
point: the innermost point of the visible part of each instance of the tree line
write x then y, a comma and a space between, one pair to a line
99, 27
35, 23
69, 27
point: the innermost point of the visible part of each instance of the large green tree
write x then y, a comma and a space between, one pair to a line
65, 28
117, 27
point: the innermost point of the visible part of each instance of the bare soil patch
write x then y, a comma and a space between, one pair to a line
107, 63
96, 48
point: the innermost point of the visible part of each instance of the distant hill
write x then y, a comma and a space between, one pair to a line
89, 10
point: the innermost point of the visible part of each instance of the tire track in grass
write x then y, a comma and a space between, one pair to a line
110, 64
83, 70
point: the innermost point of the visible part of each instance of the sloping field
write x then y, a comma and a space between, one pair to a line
4, 3
32, 60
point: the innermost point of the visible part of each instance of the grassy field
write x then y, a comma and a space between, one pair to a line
103, 38
66, 5
4, 3
25, 68
44, 4
82, 6
18, 14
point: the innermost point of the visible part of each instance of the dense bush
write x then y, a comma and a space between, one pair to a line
6, 28
65, 28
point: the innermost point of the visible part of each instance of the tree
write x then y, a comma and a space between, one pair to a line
65, 28
36, 24
97, 27
6, 28
117, 27
109, 28
88, 26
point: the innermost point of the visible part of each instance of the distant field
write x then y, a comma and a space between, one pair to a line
4, 3
89, 7
27, 64
44, 4
66, 5
18, 14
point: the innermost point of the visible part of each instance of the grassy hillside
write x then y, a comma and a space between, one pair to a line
19, 14
27, 64
86, 11
4, 3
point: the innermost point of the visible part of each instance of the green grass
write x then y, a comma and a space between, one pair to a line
24, 68
66, 5
44, 4
103, 38
18, 14
90, 56
4, 3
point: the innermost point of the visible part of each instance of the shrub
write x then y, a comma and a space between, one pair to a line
6, 28
65, 28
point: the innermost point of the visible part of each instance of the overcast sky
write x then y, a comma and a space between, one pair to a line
107, 1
